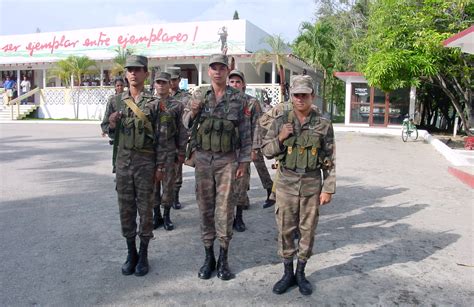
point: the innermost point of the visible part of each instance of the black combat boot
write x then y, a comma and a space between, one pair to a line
168, 224
142, 265
157, 218
239, 224
269, 202
305, 286
128, 268
288, 280
223, 271
176, 203
209, 265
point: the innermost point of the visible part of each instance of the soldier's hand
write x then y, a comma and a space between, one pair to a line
113, 119
159, 175
196, 106
324, 198
285, 132
240, 170
253, 155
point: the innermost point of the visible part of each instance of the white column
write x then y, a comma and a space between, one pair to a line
18, 81
200, 74
44, 78
273, 73
101, 75
347, 113
411, 109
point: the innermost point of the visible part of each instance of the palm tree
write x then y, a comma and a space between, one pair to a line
119, 60
76, 67
316, 43
277, 54
63, 71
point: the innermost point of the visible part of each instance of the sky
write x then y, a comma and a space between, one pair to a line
273, 16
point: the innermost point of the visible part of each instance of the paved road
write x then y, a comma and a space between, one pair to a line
397, 233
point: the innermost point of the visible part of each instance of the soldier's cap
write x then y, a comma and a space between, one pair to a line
219, 58
136, 61
238, 73
174, 71
163, 76
300, 84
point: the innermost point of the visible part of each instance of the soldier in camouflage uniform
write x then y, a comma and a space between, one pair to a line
237, 81
140, 161
303, 143
183, 97
111, 107
223, 145
176, 136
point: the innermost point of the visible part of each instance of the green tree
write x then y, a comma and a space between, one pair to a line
317, 45
118, 68
410, 51
236, 15
277, 53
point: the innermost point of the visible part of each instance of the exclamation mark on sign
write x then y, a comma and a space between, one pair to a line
195, 33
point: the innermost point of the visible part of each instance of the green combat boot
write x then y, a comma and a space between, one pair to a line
209, 265
239, 224
128, 268
168, 224
305, 286
223, 271
288, 280
142, 265
157, 218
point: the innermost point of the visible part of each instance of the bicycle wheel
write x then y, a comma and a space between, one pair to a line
414, 134
404, 134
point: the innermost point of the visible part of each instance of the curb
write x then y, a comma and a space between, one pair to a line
465, 178
450, 155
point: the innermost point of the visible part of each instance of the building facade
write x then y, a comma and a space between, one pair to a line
187, 45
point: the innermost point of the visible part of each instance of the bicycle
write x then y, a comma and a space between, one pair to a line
409, 130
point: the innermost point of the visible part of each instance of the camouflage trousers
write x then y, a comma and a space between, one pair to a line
135, 180
166, 198
179, 177
214, 188
241, 186
297, 211
262, 171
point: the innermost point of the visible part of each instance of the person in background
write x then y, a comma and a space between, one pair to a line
25, 88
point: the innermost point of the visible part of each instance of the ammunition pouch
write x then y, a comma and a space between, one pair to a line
217, 135
301, 152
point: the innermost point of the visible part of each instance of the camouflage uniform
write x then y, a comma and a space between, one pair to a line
297, 191
175, 136
306, 169
215, 171
183, 97
136, 168
110, 108
242, 184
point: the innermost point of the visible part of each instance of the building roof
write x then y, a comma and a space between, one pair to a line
463, 40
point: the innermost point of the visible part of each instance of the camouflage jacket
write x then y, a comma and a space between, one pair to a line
182, 96
150, 106
295, 183
109, 109
236, 110
172, 128
256, 112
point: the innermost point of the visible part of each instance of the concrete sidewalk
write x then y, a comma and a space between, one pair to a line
462, 161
